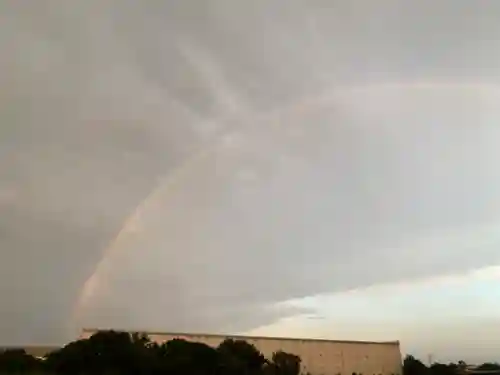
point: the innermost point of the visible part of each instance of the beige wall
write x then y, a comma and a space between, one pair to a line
319, 357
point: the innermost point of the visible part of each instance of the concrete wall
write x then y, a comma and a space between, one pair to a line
319, 357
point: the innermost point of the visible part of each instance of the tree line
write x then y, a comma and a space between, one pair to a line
414, 366
122, 353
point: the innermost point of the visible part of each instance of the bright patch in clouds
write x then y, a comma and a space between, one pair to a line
426, 315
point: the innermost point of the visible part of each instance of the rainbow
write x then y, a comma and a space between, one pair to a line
275, 119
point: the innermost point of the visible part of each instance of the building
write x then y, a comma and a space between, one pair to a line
319, 356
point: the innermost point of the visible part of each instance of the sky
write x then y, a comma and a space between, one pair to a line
324, 169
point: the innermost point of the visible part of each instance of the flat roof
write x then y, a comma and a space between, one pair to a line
242, 337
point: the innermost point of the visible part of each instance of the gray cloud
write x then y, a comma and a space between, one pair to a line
102, 100
311, 221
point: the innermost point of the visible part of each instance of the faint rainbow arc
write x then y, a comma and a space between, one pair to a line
174, 178
166, 185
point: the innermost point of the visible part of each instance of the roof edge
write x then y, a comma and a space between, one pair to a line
243, 337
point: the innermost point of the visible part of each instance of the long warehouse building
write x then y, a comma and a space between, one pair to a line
319, 356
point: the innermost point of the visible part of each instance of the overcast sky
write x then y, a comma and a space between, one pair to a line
243, 166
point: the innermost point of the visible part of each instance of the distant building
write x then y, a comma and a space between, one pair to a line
319, 357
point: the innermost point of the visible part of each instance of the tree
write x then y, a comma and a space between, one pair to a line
182, 356
103, 352
285, 363
238, 356
413, 366
443, 369
18, 361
